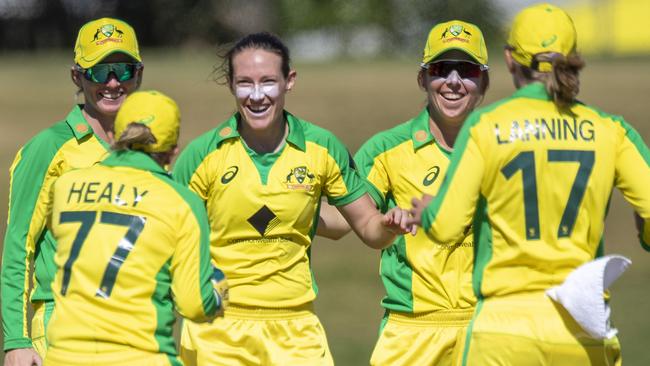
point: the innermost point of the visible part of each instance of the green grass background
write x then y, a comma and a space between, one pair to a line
353, 99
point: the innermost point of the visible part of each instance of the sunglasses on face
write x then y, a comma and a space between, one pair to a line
442, 69
100, 73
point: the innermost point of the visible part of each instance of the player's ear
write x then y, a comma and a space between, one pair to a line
291, 79
75, 75
421, 79
510, 62
139, 76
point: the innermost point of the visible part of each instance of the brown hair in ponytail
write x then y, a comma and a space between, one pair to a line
135, 134
562, 82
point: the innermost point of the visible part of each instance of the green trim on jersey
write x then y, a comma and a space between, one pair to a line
228, 130
220, 168
397, 277
385, 141
383, 322
635, 138
134, 159
483, 247
644, 245
470, 328
210, 304
263, 162
396, 270
34, 162
165, 319
342, 157
631, 133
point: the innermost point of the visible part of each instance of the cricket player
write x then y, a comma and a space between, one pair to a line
429, 299
534, 174
133, 246
262, 174
108, 67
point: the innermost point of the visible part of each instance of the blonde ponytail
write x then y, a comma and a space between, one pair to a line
134, 137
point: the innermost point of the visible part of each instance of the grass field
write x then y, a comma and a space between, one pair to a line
354, 100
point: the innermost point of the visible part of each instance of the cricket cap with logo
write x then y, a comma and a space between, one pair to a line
456, 35
102, 37
541, 28
155, 110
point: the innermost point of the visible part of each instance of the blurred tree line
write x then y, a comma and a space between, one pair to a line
348, 27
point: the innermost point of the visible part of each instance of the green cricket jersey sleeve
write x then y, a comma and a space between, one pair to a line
186, 281
68, 144
31, 175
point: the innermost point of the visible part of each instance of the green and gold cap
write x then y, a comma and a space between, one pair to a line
541, 28
102, 37
155, 110
456, 35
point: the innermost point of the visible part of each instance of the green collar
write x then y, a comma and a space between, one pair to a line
534, 90
420, 131
296, 137
78, 123
133, 159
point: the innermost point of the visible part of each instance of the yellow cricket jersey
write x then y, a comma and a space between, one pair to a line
263, 208
131, 243
419, 275
67, 145
537, 183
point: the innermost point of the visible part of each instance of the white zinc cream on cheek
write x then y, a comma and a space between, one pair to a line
257, 92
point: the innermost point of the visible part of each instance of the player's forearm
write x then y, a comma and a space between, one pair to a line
375, 234
331, 224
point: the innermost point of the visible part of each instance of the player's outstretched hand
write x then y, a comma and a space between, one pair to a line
396, 221
418, 207
220, 286
22, 357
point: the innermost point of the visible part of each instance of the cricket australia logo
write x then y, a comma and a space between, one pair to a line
455, 32
108, 31
300, 178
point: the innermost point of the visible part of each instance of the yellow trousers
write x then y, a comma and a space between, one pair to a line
254, 336
530, 329
421, 339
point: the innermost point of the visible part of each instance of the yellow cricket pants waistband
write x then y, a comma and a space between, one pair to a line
452, 318
257, 313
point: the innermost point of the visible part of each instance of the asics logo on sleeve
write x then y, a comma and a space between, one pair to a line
230, 174
432, 175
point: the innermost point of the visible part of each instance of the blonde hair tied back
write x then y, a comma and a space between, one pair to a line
135, 137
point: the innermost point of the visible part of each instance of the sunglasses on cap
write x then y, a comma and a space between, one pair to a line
100, 73
465, 69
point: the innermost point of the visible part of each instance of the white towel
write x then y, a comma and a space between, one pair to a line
582, 294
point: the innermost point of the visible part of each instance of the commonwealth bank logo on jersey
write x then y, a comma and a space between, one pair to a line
110, 32
264, 220
300, 178
455, 32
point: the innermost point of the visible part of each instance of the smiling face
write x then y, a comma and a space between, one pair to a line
259, 87
452, 98
105, 99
